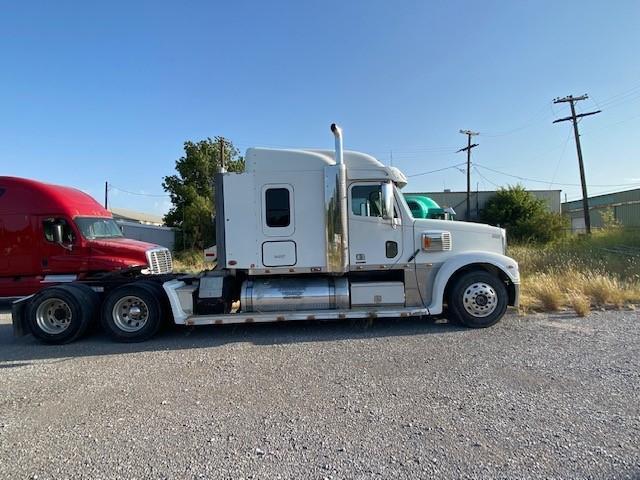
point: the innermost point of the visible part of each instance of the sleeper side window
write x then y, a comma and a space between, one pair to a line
67, 232
278, 207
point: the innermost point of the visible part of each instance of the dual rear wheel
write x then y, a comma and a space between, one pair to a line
62, 313
133, 312
130, 313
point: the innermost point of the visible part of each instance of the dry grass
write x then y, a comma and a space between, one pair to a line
605, 290
580, 303
190, 261
548, 292
580, 273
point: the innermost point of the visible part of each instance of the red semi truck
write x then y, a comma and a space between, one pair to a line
53, 234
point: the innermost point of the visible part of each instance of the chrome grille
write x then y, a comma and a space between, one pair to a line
159, 261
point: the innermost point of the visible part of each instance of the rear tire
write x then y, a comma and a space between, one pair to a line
477, 300
132, 312
59, 314
91, 299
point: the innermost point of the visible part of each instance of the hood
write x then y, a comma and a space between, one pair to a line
119, 251
121, 244
467, 236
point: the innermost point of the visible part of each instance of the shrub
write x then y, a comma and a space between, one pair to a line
609, 220
525, 217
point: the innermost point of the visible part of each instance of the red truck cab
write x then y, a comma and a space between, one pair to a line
52, 234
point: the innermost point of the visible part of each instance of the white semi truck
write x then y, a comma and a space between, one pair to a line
302, 235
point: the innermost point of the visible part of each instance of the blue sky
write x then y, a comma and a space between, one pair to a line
108, 91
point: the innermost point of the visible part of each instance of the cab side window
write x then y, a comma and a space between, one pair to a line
67, 232
366, 200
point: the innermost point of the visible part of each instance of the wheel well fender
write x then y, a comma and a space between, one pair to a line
502, 266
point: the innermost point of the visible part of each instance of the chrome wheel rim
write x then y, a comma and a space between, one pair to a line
480, 299
53, 316
130, 314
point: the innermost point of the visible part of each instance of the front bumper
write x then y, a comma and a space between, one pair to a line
516, 296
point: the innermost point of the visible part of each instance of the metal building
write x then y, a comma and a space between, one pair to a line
624, 207
458, 200
144, 227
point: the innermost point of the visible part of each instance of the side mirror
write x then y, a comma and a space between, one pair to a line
387, 200
57, 233
58, 230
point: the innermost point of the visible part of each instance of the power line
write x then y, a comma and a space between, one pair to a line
435, 171
113, 187
485, 178
537, 117
604, 127
621, 97
560, 158
537, 180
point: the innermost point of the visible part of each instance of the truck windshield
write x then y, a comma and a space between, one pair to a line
403, 201
98, 227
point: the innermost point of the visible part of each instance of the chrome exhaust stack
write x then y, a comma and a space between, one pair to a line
337, 132
337, 239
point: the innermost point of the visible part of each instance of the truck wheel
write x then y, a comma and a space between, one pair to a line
167, 317
59, 314
132, 313
477, 300
91, 300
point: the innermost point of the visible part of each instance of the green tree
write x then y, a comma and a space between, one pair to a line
191, 190
525, 217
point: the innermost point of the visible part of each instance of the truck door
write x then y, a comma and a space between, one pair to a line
373, 240
55, 259
278, 226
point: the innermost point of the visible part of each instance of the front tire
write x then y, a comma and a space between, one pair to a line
477, 300
132, 313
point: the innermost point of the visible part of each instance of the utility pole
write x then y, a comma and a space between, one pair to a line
106, 195
574, 118
222, 142
467, 149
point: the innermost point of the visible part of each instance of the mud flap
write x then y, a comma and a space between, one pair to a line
18, 309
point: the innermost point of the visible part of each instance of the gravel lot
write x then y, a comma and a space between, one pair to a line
535, 397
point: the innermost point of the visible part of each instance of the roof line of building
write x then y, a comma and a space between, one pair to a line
602, 195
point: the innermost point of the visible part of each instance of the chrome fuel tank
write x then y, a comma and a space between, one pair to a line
287, 294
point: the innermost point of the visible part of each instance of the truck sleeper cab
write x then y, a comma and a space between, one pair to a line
319, 234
